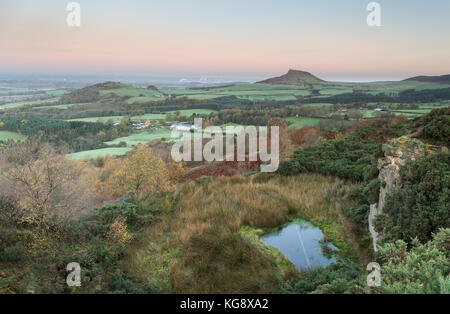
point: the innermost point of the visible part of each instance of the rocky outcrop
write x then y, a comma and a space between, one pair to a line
396, 153
292, 77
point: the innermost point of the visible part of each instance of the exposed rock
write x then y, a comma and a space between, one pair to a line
397, 152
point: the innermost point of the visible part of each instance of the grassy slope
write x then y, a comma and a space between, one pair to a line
205, 239
255, 91
146, 117
102, 152
7, 135
23, 103
190, 112
143, 137
149, 116
300, 122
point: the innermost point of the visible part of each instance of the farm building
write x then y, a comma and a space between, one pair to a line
181, 127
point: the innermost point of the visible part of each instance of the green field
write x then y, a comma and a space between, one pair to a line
139, 99
56, 92
23, 103
150, 116
434, 105
143, 137
334, 91
131, 91
102, 152
297, 123
203, 96
414, 111
245, 91
60, 106
7, 135
321, 104
190, 112
99, 119
147, 117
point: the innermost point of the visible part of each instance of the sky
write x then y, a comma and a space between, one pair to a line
235, 38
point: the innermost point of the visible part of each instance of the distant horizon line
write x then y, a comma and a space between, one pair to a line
189, 77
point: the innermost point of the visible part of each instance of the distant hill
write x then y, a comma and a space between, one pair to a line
295, 77
153, 87
89, 93
442, 79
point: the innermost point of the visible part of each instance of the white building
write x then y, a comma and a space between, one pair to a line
181, 127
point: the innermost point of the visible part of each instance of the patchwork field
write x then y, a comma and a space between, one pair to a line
414, 111
131, 91
24, 103
297, 123
143, 137
143, 99
7, 135
149, 116
190, 112
145, 117
102, 152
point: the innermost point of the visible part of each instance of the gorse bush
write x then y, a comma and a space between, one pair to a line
421, 206
342, 277
344, 158
122, 283
353, 157
423, 269
436, 126
86, 240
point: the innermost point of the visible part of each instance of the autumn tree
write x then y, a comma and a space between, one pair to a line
141, 174
118, 233
48, 188
286, 146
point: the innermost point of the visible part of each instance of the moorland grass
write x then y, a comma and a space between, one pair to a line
201, 238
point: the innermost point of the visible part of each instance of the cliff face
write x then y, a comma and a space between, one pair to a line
397, 152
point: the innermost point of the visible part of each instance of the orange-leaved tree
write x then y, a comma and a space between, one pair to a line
141, 174
49, 189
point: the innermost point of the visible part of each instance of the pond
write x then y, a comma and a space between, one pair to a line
303, 244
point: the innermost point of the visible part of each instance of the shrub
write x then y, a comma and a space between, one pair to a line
372, 191
423, 269
347, 158
15, 253
342, 277
359, 215
436, 126
122, 283
420, 207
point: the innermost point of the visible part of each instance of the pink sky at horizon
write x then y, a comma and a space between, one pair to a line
126, 40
